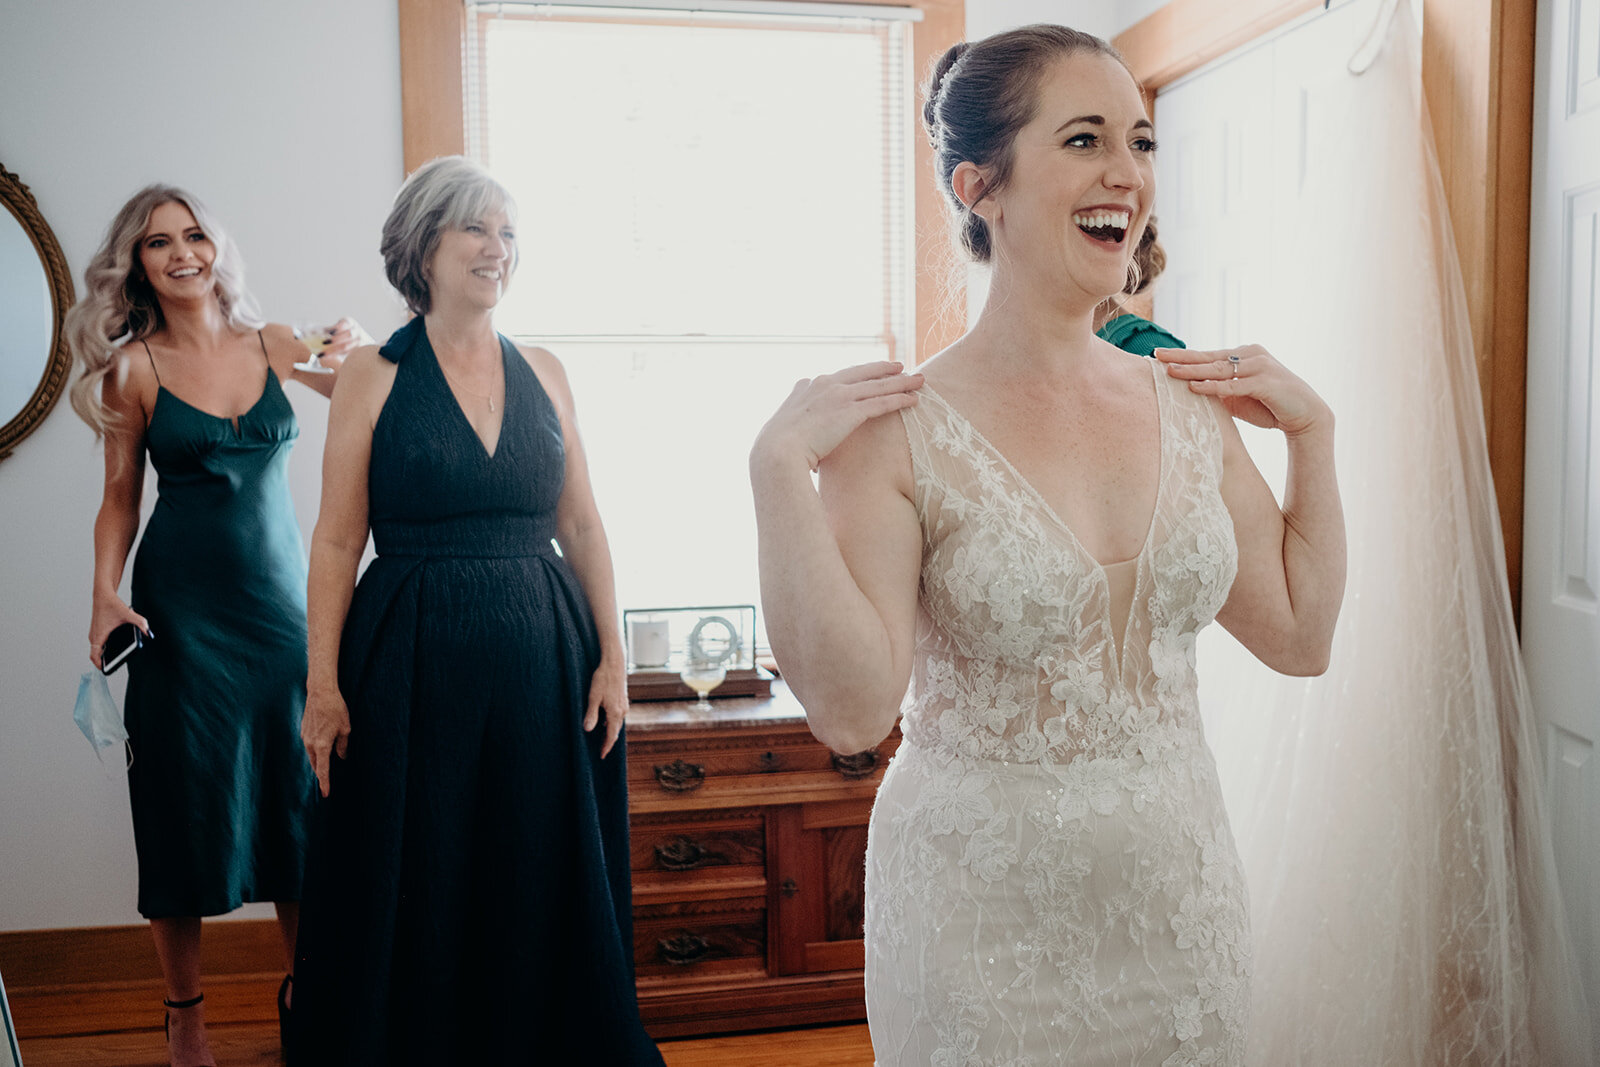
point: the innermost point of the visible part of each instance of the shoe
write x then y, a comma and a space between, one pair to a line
170, 1005
179, 1005
283, 1011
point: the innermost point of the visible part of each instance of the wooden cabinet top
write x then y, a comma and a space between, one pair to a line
780, 710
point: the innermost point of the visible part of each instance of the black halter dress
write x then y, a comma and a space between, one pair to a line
467, 896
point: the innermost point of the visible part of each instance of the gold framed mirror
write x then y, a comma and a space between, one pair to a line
35, 292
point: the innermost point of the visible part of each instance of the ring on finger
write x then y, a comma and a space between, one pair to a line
1233, 363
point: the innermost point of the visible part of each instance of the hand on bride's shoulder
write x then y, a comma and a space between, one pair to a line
820, 413
1252, 384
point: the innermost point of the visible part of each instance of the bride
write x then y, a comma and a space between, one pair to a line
1033, 545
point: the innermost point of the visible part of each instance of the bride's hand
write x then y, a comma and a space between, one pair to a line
821, 412
1251, 384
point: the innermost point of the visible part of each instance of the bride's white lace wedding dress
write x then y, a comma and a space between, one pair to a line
1050, 874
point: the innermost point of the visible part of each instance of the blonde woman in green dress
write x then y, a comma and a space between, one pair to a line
177, 364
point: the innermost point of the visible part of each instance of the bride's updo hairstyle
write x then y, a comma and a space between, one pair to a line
980, 96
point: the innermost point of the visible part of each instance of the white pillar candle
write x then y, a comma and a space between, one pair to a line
649, 642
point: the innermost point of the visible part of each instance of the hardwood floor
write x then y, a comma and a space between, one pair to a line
120, 1026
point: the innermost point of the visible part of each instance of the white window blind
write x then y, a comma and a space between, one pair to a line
711, 206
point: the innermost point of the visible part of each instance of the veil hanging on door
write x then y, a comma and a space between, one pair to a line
1389, 812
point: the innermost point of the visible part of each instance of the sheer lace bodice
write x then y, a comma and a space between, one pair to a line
1050, 873
1016, 615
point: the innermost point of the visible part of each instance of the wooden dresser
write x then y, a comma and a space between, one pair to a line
749, 841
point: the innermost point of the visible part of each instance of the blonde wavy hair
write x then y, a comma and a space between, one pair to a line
120, 306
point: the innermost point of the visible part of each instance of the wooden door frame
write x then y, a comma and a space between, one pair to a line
433, 111
1477, 78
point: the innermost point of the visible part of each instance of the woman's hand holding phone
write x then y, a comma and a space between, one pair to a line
110, 611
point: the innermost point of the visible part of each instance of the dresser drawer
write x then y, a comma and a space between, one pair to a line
679, 845
698, 856
701, 943
682, 766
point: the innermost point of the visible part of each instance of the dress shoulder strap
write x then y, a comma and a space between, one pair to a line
916, 434
152, 357
942, 454
1194, 421
262, 341
926, 424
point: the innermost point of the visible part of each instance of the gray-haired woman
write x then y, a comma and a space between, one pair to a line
177, 364
467, 898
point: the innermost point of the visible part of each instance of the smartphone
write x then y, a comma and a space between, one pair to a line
120, 645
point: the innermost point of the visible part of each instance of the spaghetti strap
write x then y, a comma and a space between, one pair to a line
262, 341
152, 359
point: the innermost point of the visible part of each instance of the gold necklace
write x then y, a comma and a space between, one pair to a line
455, 384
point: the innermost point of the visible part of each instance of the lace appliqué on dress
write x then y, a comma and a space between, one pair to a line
1050, 874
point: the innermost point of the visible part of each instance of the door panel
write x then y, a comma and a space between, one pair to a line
1561, 546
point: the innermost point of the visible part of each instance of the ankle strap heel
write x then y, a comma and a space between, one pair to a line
176, 1005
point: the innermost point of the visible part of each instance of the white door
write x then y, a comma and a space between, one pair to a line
1561, 521
1230, 177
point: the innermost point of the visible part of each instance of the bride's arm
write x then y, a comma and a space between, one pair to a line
1285, 600
839, 568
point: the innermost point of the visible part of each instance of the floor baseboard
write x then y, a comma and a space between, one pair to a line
101, 956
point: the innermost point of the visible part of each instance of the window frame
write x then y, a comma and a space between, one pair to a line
433, 116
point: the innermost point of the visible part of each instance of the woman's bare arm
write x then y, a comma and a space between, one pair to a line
582, 537
839, 568
1285, 600
337, 544
116, 525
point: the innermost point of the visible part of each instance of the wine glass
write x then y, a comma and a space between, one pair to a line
316, 338
702, 674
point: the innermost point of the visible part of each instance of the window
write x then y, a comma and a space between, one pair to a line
712, 205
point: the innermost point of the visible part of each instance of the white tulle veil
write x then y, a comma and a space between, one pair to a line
1389, 812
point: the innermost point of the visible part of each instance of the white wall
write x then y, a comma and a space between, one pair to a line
1098, 17
1131, 11
285, 118
1103, 18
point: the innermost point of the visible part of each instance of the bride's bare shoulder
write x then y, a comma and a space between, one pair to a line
960, 371
876, 458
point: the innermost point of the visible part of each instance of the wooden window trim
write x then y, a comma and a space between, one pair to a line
432, 33
1477, 77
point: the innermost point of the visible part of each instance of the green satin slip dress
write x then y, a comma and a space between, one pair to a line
220, 786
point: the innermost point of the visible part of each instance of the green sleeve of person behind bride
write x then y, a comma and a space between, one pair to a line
1122, 327
1139, 336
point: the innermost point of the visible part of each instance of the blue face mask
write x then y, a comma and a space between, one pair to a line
96, 713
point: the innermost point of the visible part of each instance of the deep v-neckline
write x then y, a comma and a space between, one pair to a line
1045, 506
461, 414
1117, 647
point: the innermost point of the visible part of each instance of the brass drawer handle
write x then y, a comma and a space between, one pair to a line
768, 762
789, 887
681, 854
680, 777
683, 950
860, 765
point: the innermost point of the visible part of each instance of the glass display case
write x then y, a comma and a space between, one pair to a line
682, 653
